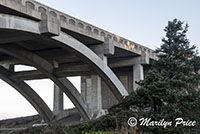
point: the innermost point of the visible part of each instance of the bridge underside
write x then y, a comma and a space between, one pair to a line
57, 53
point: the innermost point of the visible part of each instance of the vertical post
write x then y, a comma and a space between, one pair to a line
138, 75
91, 92
58, 100
91, 85
94, 93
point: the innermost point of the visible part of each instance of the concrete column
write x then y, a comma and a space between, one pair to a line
91, 85
93, 92
93, 89
138, 75
58, 100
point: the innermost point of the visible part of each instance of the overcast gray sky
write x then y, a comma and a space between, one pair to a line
141, 21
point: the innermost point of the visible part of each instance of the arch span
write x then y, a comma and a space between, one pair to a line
67, 42
46, 68
25, 90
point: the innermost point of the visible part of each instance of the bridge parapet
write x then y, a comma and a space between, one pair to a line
35, 9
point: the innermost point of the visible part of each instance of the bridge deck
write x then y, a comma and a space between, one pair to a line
84, 32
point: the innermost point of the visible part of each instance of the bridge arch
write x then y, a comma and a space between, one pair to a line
46, 68
25, 90
67, 42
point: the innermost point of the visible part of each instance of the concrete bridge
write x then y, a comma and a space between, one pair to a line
57, 46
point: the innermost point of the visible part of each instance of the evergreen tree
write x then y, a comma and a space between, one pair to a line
170, 89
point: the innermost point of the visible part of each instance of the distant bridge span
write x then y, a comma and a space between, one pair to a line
58, 45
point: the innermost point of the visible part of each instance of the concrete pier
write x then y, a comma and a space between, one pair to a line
138, 74
58, 100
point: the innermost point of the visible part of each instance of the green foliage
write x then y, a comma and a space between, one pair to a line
100, 132
170, 89
106, 123
44, 130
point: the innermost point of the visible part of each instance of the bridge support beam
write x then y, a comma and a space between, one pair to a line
91, 92
138, 74
58, 100
91, 85
95, 93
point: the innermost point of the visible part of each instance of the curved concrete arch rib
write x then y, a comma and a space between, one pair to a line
25, 90
66, 41
91, 58
46, 68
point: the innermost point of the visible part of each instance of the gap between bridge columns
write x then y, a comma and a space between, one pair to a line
57, 100
138, 74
